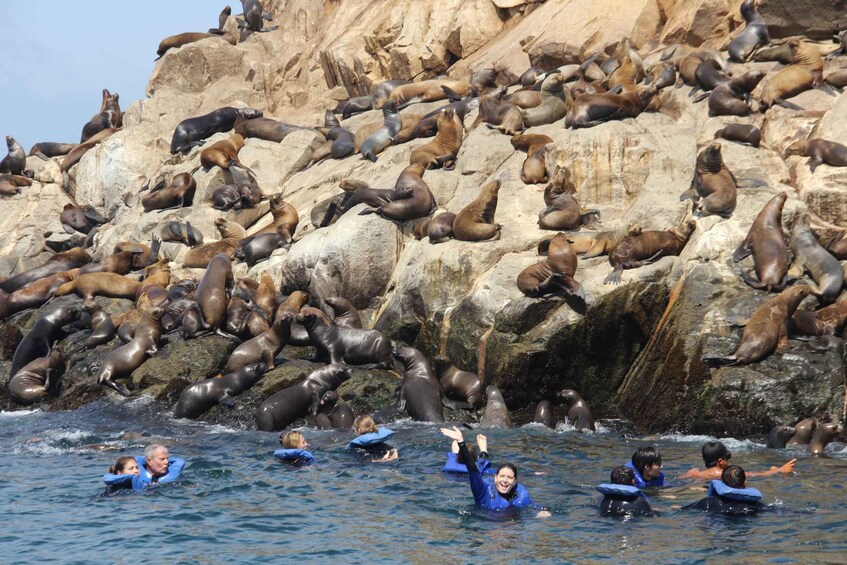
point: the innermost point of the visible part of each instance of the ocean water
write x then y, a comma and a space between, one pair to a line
236, 504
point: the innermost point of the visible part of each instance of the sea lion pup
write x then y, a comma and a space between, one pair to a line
418, 204
766, 242
75, 257
379, 140
463, 386
267, 345
427, 91
181, 39
46, 149
554, 273
110, 116
707, 76
639, 250
732, 98
10, 184
493, 110
283, 408
579, 414
264, 128
90, 285
15, 161
440, 228
806, 72
766, 330
810, 257
254, 14
556, 100
740, 133
179, 193
829, 320
822, 436
534, 168
778, 436
183, 233
345, 345
231, 235
199, 397
595, 244
34, 294
496, 414
223, 154
285, 221
442, 150
590, 110
713, 188
476, 220
344, 313
102, 331
333, 412
428, 124
35, 380
192, 132
382, 91
753, 36
125, 359
563, 211
820, 151
237, 196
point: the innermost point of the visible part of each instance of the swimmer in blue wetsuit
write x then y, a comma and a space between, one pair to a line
500, 493
154, 467
125, 471
456, 464
294, 449
730, 495
622, 497
646, 465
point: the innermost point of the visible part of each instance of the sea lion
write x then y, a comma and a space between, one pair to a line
820, 152
428, 124
824, 434
231, 235
194, 131
344, 313
754, 35
184, 233
713, 189
237, 196
46, 149
90, 285
459, 385
358, 192
254, 16
555, 272
15, 162
356, 105
125, 359
419, 203
732, 98
110, 116
223, 17
810, 257
778, 436
476, 220
579, 415
264, 128
119, 263
493, 110
34, 381
636, 251
260, 248
563, 211
179, 193
708, 76
531, 75
594, 244
407, 121
10, 184
198, 397
420, 393
556, 100
381, 92
766, 242
829, 320
267, 345
340, 142
80, 218
544, 414
838, 78
662, 76
283, 408
440, 228
534, 168
803, 431
379, 140
102, 327
741, 133
285, 220
223, 154
766, 330
496, 413
805, 73
75, 257
335, 411
180, 39
590, 110
442, 150
47, 330
345, 345
427, 91
34, 294
523, 99
211, 291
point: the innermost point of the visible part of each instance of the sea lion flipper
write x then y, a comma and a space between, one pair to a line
614, 277
227, 400
744, 250
718, 360
751, 281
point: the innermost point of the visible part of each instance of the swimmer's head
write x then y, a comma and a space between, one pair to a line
125, 466
648, 462
714, 452
364, 425
622, 475
506, 478
293, 440
734, 477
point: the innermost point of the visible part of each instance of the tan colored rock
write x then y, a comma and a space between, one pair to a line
702, 22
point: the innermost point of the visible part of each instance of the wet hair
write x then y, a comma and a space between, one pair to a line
120, 464
471, 450
364, 425
290, 440
712, 451
153, 448
734, 477
645, 456
508, 466
622, 475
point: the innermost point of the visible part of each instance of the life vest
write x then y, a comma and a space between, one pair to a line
294, 456
116, 483
623, 491
493, 500
175, 467
719, 488
453, 466
371, 439
641, 483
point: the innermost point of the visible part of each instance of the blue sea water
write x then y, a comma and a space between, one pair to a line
236, 504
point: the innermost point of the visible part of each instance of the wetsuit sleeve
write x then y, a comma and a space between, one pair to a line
477, 484
175, 467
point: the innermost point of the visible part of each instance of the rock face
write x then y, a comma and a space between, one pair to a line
633, 350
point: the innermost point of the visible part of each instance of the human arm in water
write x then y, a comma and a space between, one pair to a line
477, 484
715, 472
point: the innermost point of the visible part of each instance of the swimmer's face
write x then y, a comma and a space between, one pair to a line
652, 471
504, 480
303, 444
130, 468
158, 463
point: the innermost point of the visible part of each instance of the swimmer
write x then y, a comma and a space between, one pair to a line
646, 465
730, 495
371, 441
716, 457
154, 467
500, 493
125, 465
622, 497
456, 464
294, 449
123, 475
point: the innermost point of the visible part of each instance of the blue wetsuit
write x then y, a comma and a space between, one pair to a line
139, 482
641, 483
485, 493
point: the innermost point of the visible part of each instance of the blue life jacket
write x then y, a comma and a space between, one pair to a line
123, 482
371, 439
453, 466
294, 456
719, 488
175, 467
641, 483
485, 494
624, 491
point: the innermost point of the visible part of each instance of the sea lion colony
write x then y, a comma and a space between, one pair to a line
575, 96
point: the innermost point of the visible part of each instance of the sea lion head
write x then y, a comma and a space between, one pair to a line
441, 363
553, 83
569, 396
389, 108
633, 229
796, 148
249, 113
685, 229
329, 399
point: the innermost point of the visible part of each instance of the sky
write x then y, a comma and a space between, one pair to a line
58, 56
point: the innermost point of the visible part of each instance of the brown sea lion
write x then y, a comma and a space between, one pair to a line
732, 98
420, 394
579, 414
495, 111
662, 76
420, 202
408, 121
636, 251
237, 196
442, 150
805, 73
110, 116
285, 220
556, 100
47, 330
46, 149
80, 218
333, 413
523, 99
554, 273
820, 151
179, 193
427, 91
211, 292
10, 184
829, 320
496, 413
563, 211
255, 16
75, 257
463, 386
345, 345
358, 192
33, 294
741, 133
476, 220
824, 434
713, 188
36, 379
223, 154
590, 110
194, 131
440, 228
595, 244
185, 233
265, 128
102, 327
778, 436
345, 314
264, 347
231, 235
810, 257
90, 285
119, 263
754, 35
15, 162
283, 408
766, 242
534, 168
766, 330
180, 39
803, 431
125, 359
198, 397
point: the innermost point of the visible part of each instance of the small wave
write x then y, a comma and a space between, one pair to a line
19, 413
730, 442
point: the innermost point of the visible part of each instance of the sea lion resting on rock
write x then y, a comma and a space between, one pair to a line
236, 196
34, 380
427, 91
34, 294
47, 330
379, 140
110, 116
15, 162
184, 233
805, 73
476, 220
741, 133
264, 128
766, 242
283, 408
197, 398
713, 188
594, 244
125, 359
821, 152
417, 201
90, 285
766, 330
180, 39
10, 184
829, 320
223, 154
811, 257
555, 272
579, 414
80, 218
590, 110
732, 98
563, 211
442, 150
46, 149
754, 35
345, 345
75, 257
231, 236
194, 131
556, 100
254, 16
439, 228
505, 115
636, 251
457, 384
534, 168
179, 193
285, 220
211, 292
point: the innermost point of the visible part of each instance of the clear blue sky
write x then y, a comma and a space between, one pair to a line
57, 57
